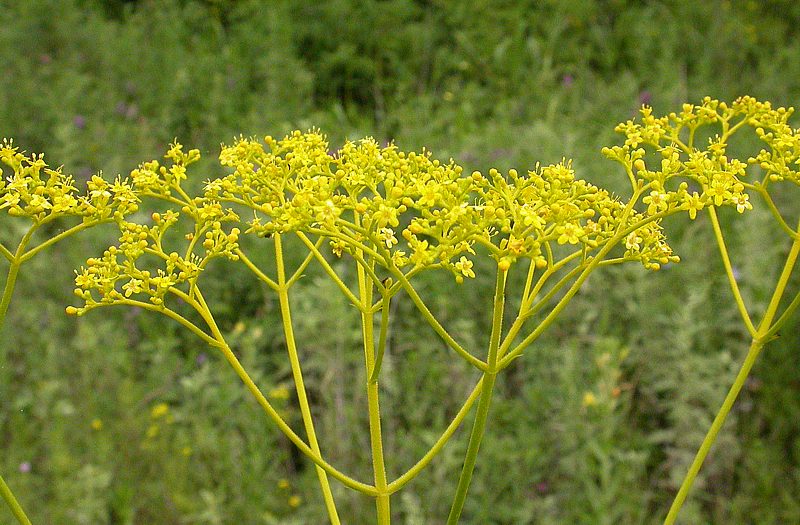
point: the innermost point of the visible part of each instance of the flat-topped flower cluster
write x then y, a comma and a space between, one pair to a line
717, 179
408, 211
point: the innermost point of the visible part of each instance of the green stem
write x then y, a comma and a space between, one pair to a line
373, 400
6, 253
760, 338
61, 236
506, 359
775, 211
347, 239
541, 303
305, 409
437, 327
329, 270
161, 309
9, 498
256, 270
8, 292
397, 484
346, 480
300, 269
711, 436
785, 316
376, 368
482, 414
726, 261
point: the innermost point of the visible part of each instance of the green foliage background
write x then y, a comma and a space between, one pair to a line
106, 84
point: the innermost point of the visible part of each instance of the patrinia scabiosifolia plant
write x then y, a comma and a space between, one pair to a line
393, 215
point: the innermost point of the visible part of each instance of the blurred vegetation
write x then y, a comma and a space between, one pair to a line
597, 424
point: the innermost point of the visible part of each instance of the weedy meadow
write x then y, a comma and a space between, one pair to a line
374, 220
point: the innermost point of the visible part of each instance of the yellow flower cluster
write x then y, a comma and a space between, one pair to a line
708, 177
121, 273
405, 210
410, 210
153, 179
116, 275
35, 191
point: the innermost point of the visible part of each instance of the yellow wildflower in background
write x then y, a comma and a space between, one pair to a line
160, 410
152, 431
589, 399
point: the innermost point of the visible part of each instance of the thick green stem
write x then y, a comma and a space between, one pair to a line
305, 409
761, 338
482, 413
373, 400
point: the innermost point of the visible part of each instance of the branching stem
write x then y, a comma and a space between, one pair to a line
760, 339
302, 397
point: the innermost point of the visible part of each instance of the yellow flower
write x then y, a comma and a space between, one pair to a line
719, 191
464, 266
570, 233
152, 431
743, 203
694, 204
283, 483
97, 424
295, 501
589, 399
387, 236
159, 410
632, 241
656, 202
